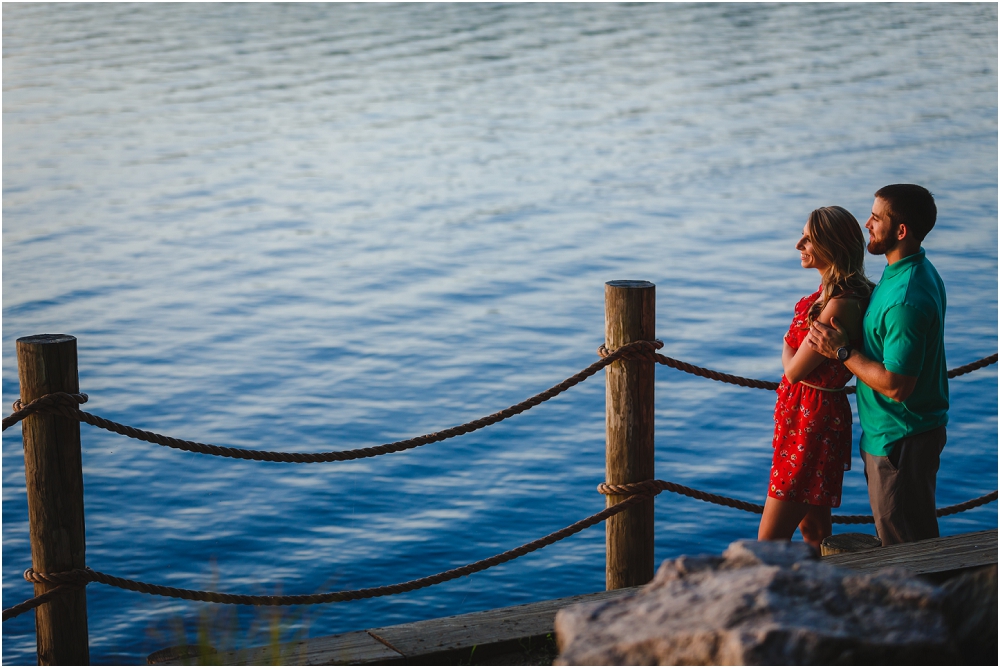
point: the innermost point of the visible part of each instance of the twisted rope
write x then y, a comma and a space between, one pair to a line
83, 576
703, 372
654, 487
967, 505
969, 368
33, 603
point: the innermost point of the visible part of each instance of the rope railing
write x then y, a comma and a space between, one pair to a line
66, 405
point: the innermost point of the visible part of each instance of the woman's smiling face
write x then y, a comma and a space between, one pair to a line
806, 252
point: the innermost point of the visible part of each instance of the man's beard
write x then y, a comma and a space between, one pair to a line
885, 244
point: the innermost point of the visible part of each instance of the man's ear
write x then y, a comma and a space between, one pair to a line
902, 232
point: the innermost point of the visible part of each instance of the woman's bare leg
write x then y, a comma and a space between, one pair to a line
816, 525
780, 519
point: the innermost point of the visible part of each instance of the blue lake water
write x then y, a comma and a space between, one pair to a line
321, 227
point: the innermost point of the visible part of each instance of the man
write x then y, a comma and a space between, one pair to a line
902, 376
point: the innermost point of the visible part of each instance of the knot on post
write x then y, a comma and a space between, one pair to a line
58, 403
77, 577
637, 349
646, 487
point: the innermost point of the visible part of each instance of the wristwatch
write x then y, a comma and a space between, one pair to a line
843, 353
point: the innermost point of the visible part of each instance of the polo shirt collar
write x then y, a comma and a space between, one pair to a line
908, 261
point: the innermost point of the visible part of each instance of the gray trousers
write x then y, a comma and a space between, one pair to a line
901, 487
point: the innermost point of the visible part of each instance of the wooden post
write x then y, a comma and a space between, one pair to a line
629, 315
53, 472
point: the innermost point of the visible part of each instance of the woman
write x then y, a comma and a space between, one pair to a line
812, 418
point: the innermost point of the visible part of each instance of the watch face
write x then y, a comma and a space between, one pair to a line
843, 354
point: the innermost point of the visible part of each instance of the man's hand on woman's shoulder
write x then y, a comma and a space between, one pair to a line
827, 339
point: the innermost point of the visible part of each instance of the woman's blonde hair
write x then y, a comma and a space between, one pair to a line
837, 241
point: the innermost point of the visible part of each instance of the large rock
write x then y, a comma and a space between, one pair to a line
762, 603
970, 608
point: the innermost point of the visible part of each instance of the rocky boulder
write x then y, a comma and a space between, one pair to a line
766, 603
970, 608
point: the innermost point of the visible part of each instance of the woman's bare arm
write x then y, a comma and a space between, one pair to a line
799, 364
787, 353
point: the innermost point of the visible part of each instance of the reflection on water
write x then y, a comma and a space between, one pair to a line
314, 227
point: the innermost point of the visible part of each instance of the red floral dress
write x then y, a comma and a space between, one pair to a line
812, 428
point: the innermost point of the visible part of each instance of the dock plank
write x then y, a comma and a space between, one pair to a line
356, 647
485, 628
936, 555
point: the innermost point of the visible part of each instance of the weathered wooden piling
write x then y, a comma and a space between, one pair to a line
53, 472
629, 315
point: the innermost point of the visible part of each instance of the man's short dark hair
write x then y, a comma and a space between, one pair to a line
911, 205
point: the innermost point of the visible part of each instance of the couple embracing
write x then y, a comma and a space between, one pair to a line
891, 336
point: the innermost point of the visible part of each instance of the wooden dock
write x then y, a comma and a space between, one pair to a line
937, 558
504, 634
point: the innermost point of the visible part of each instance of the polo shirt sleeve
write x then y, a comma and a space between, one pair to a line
905, 340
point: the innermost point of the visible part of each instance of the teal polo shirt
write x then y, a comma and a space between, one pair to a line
904, 330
